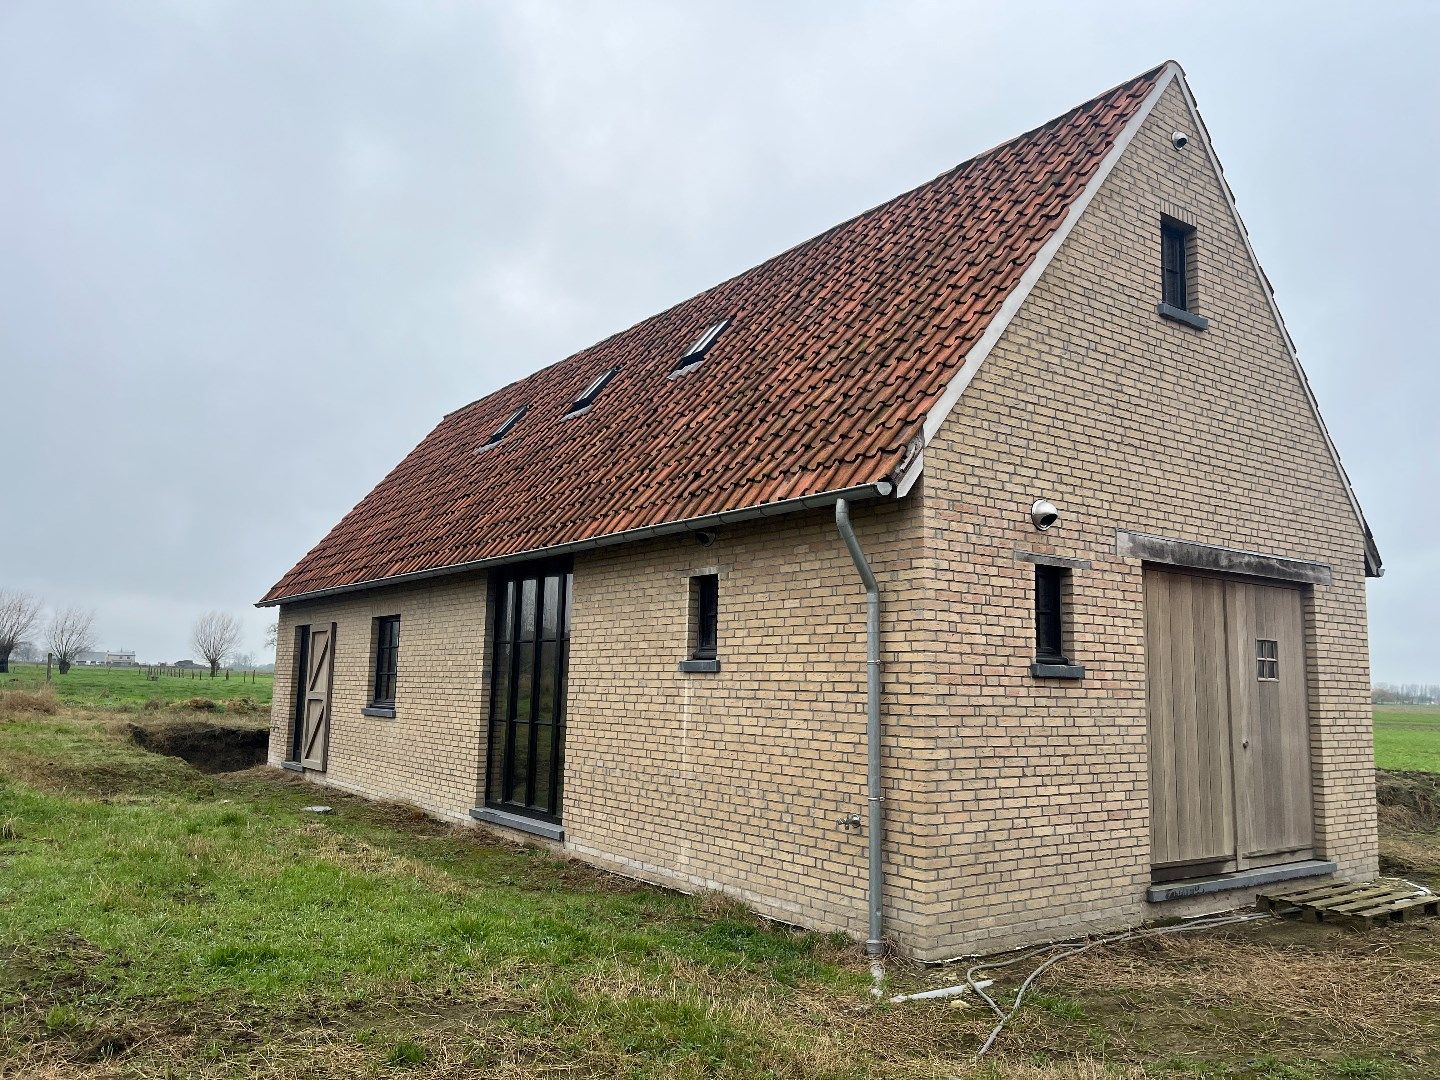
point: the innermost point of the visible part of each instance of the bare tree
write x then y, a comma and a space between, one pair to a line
215, 637
72, 631
18, 612
272, 635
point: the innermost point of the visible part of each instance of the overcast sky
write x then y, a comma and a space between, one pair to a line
251, 252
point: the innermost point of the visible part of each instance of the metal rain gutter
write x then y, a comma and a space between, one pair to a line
875, 944
877, 490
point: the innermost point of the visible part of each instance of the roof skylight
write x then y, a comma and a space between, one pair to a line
503, 429
696, 352
585, 400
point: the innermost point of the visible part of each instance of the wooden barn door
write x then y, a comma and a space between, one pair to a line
1192, 794
1229, 732
319, 671
1267, 658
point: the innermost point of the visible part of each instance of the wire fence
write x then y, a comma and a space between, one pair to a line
198, 672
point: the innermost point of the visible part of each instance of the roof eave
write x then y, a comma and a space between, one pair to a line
861, 492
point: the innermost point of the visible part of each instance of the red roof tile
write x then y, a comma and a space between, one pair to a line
836, 352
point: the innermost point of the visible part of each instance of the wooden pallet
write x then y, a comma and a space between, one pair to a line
1366, 903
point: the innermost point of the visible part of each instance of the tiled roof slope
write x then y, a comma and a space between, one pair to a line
837, 350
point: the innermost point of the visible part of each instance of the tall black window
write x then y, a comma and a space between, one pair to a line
1175, 264
387, 655
530, 648
705, 616
1050, 614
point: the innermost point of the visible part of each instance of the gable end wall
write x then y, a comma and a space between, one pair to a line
1126, 420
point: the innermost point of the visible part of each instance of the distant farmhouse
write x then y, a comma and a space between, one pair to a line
105, 659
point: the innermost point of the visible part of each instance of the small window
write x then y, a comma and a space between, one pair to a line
704, 616
1050, 614
1267, 660
696, 352
387, 654
585, 400
1175, 246
503, 429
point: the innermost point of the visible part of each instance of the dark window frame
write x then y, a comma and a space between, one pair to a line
385, 666
1050, 582
302, 671
593, 391
523, 631
705, 617
504, 429
1176, 258
702, 346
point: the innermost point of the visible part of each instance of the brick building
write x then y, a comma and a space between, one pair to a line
1119, 572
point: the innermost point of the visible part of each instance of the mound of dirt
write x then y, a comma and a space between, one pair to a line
210, 747
1409, 800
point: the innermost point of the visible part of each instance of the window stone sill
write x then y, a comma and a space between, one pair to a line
1058, 671
1243, 879
699, 666
293, 766
385, 711
550, 830
1180, 315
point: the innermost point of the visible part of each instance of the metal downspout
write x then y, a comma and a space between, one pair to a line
875, 945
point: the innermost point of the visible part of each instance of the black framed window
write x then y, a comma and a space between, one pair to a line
302, 667
696, 353
705, 616
1050, 614
1175, 264
530, 656
387, 656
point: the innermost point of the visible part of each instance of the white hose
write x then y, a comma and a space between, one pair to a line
1065, 950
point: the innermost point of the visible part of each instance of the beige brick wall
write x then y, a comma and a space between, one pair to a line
1126, 420
1017, 809
732, 780
736, 780
429, 753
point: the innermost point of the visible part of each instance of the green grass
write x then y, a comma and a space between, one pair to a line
1407, 738
128, 688
155, 921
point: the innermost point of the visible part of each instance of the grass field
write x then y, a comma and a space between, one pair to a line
1407, 737
156, 921
128, 688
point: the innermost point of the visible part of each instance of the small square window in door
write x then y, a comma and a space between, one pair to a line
1267, 660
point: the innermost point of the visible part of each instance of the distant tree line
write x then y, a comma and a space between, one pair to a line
70, 632
1406, 693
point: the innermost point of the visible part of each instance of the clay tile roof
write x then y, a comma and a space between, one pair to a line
836, 351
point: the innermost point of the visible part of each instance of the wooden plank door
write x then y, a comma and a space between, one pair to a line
1192, 805
319, 675
1266, 631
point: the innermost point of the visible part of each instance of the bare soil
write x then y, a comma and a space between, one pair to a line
209, 745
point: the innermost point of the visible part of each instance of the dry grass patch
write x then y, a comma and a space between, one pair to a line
15, 703
1232, 996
